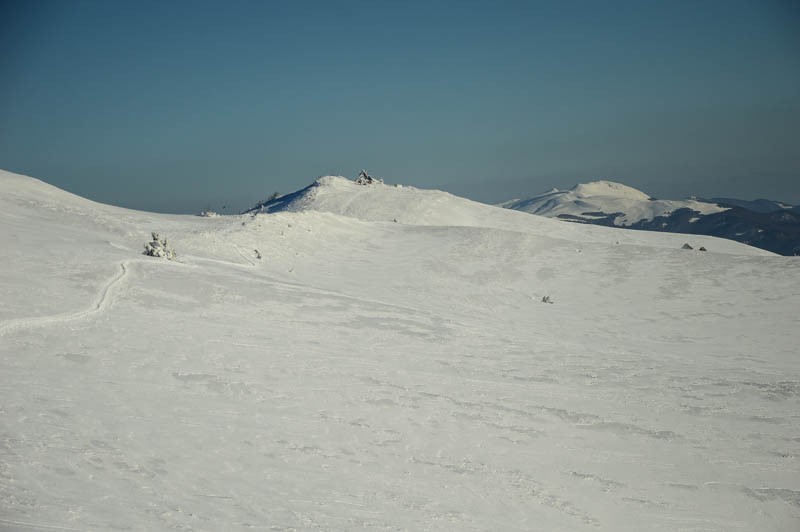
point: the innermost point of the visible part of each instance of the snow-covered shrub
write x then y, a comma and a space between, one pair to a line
158, 248
365, 179
263, 203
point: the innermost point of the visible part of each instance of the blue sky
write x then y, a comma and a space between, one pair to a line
180, 106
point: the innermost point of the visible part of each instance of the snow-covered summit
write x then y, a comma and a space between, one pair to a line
379, 202
608, 189
587, 202
375, 202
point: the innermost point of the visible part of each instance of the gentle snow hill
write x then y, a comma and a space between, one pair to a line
413, 206
388, 203
600, 199
319, 366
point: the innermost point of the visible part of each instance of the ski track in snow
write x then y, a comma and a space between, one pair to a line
239, 251
101, 303
21, 525
314, 290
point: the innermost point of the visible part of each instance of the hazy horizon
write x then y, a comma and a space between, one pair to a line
185, 106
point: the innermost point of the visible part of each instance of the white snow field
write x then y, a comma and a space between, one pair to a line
590, 200
366, 373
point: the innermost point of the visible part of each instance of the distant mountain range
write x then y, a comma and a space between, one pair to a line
759, 205
766, 224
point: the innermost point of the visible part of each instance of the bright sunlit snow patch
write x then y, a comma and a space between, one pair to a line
323, 366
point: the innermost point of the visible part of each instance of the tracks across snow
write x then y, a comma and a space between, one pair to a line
102, 302
308, 289
22, 525
239, 251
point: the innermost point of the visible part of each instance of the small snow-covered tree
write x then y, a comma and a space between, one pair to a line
158, 247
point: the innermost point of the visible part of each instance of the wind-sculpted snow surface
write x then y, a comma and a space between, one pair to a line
371, 374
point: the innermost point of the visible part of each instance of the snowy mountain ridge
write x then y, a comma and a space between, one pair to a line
620, 204
608, 189
759, 205
765, 224
415, 206
382, 202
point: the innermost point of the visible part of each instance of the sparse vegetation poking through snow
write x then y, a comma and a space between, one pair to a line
365, 179
158, 247
546, 299
261, 204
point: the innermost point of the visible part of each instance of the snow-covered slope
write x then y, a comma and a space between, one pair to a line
370, 374
601, 199
380, 202
414, 206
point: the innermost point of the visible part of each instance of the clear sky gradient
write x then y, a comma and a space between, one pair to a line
180, 106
